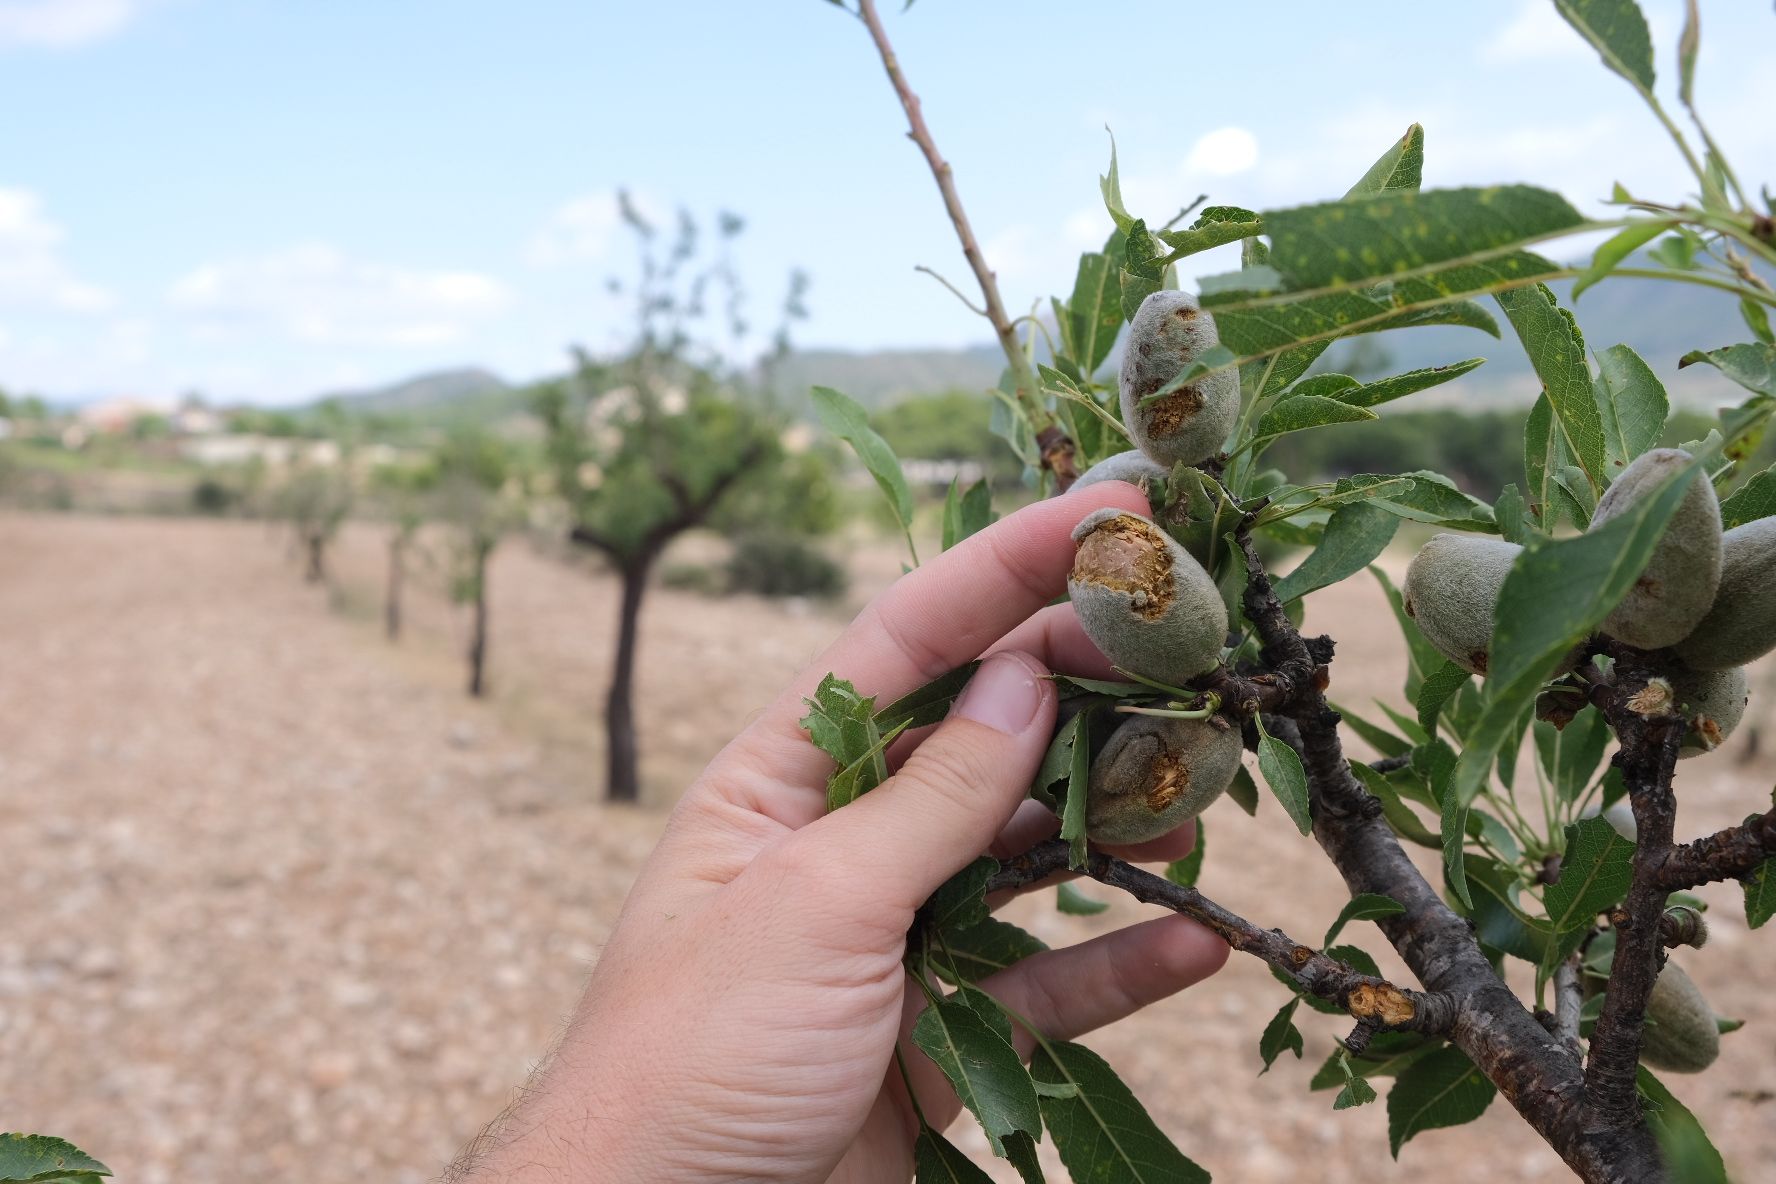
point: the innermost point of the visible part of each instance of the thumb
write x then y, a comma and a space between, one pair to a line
953, 794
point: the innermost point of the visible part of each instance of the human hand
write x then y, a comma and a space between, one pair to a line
742, 1021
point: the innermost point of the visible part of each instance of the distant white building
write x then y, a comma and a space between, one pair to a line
112, 417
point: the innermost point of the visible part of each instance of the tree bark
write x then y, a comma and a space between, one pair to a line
623, 765
391, 608
478, 640
317, 558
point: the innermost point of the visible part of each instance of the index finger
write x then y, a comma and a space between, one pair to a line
933, 619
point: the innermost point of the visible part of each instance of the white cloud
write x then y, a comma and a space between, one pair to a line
32, 272
584, 230
1536, 32
315, 293
1224, 152
62, 24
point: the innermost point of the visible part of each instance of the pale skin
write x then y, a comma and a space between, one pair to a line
742, 1021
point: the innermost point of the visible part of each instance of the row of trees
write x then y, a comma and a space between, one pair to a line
669, 435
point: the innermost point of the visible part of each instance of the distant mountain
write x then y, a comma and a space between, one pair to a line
424, 393
1660, 321
879, 377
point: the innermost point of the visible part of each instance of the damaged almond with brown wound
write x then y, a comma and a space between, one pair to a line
1168, 333
1156, 774
1141, 598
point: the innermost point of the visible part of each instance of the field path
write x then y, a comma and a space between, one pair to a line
280, 904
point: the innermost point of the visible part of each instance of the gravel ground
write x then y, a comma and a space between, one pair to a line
283, 904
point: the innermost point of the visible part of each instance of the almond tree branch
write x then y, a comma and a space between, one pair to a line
1724, 855
1056, 446
1647, 758
1377, 1004
1534, 1069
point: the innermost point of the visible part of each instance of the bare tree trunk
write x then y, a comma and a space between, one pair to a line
391, 608
619, 708
317, 558
478, 640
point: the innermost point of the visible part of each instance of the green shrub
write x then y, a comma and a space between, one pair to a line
781, 565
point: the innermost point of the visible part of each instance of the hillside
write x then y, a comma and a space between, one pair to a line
423, 393
879, 377
1661, 321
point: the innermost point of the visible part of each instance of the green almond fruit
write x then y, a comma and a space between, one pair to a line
1681, 1034
1132, 466
1714, 702
1451, 591
1143, 601
1170, 331
1741, 625
1678, 585
1156, 774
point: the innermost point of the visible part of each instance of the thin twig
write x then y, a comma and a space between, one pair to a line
1057, 447
1373, 1001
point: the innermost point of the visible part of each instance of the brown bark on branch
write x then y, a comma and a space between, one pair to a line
1647, 757
1375, 1002
1724, 855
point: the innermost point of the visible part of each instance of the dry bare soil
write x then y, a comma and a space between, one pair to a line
280, 903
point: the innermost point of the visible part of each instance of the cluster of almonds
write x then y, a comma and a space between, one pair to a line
1706, 597
1142, 598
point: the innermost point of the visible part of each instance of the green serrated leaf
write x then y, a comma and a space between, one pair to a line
1442, 1089
1376, 237
1354, 536
1594, 874
1356, 1091
1618, 31
1750, 364
984, 949
1186, 870
1305, 412
1386, 390
938, 1161
1400, 167
1387, 1055
1683, 1144
1378, 738
1281, 767
961, 900
1102, 1132
1094, 314
1755, 499
982, 1067
1633, 404
1439, 687
1615, 249
1078, 784
845, 418
1070, 900
1110, 185
1394, 809
1760, 893
1364, 906
1243, 792
841, 724
1556, 350
1280, 1036
928, 704
37, 1157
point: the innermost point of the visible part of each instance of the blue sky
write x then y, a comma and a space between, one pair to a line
263, 199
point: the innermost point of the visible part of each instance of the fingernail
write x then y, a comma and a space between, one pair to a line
1004, 693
